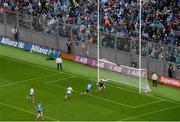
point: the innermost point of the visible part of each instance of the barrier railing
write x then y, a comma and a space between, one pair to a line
86, 35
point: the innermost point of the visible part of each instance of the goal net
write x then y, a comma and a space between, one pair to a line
123, 74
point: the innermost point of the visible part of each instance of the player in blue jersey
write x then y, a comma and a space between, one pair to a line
88, 89
39, 110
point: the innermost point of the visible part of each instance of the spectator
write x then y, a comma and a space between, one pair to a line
171, 69
119, 17
15, 32
68, 44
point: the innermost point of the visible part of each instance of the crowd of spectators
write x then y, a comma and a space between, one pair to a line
120, 18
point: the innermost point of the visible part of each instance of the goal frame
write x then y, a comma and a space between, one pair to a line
98, 42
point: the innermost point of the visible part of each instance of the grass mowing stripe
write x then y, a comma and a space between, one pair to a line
100, 98
150, 103
149, 113
160, 98
37, 65
130, 90
73, 109
20, 109
75, 77
59, 80
3, 81
82, 77
43, 76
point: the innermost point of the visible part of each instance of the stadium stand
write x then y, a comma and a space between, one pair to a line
159, 19
118, 18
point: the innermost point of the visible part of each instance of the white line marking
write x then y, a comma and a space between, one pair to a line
20, 109
98, 97
140, 115
37, 65
118, 102
142, 105
15, 83
83, 77
107, 100
59, 80
149, 95
4, 81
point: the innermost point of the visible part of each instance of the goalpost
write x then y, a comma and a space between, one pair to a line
123, 74
136, 77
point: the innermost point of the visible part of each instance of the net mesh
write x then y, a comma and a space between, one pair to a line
123, 74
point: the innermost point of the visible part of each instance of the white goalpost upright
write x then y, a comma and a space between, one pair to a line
140, 80
98, 40
124, 75
136, 77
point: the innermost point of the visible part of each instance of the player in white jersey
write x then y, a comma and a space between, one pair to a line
68, 93
31, 95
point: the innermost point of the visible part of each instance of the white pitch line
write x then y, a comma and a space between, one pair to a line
39, 66
91, 79
15, 83
107, 100
144, 114
82, 77
150, 103
149, 95
50, 82
4, 81
126, 104
20, 109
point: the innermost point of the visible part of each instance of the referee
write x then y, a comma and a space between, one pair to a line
59, 62
154, 78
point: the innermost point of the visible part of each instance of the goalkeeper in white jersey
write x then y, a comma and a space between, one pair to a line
68, 93
31, 95
100, 85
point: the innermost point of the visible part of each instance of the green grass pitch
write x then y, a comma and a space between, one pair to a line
19, 70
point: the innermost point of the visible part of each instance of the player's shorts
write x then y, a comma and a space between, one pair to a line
39, 111
87, 90
31, 95
101, 85
68, 94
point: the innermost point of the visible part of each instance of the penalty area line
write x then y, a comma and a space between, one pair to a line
82, 77
97, 97
37, 65
149, 95
133, 91
43, 76
149, 113
50, 82
150, 103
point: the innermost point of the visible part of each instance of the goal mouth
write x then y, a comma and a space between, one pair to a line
123, 74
